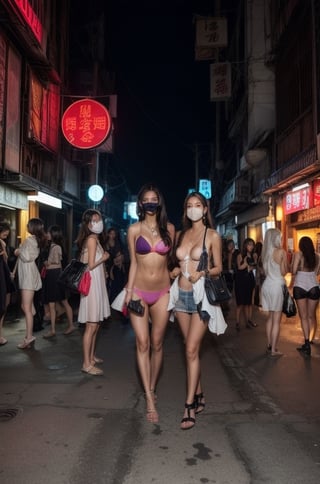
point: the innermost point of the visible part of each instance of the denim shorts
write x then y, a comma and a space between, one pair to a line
185, 303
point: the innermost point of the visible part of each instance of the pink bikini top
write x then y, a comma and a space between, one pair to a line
143, 247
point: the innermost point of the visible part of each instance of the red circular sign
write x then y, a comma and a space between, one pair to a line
86, 124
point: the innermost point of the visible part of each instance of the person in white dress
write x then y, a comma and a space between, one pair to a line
94, 307
29, 279
275, 266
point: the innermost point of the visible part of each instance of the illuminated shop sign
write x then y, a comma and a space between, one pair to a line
86, 124
30, 18
297, 200
316, 192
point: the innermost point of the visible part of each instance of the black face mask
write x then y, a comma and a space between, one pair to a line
150, 207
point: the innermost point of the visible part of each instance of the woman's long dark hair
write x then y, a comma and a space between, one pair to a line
244, 249
36, 228
187, 223
307, 248
161, 214
84, 230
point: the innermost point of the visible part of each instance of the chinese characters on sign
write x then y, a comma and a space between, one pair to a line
316, 193
220, 81
86, 124
211, 33
297, 200
205, 188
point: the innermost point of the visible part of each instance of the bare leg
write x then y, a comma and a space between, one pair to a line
238, 315
3, 340
27, 307
71, 327
159, 316
184, 320
312, 318
140, 326
275, 332
303, 313
52, 309
87, 343
93, 344
193, 341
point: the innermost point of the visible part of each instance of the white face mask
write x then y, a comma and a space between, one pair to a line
96, 227
194, 213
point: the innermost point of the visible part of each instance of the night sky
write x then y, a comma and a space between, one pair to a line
163, 95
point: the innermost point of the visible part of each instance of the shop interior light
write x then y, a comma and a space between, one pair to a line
46, 199
300, 187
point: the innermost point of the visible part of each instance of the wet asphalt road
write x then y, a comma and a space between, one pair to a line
58, 425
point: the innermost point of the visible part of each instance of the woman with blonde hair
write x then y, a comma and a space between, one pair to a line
275, 265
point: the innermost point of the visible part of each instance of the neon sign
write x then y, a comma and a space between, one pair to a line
30, 17
86, 124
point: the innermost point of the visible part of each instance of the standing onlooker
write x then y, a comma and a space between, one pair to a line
305, 268
150, 241
7, 286
28, 275
113, 246
118, 276
227, 263
259, 276
94, 307
54, 292
192, 317
275, 265
244, 283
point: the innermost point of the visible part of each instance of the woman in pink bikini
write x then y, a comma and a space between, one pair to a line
150, 242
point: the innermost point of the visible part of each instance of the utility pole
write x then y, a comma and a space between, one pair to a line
196, 165
217, 104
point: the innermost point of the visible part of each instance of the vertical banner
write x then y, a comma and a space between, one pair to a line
316, 192
220, 81
13, 112
211, 33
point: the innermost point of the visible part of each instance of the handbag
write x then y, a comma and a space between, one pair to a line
289, 307
43, 272
136, 307
84, 284
216, 288
71, 275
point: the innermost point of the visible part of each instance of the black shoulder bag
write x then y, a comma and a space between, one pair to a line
216, 288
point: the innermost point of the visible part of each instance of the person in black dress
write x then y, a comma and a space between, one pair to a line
244, 282
54, 292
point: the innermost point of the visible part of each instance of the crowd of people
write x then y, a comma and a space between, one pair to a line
159, 275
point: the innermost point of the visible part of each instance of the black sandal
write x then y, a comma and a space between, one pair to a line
198, 403
192, 420
252, 324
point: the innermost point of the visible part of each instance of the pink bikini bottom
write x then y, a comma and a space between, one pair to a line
150, 297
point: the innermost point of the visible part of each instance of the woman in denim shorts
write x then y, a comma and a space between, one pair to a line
196, 223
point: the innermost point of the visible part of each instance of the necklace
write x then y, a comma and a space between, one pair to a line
153, 230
